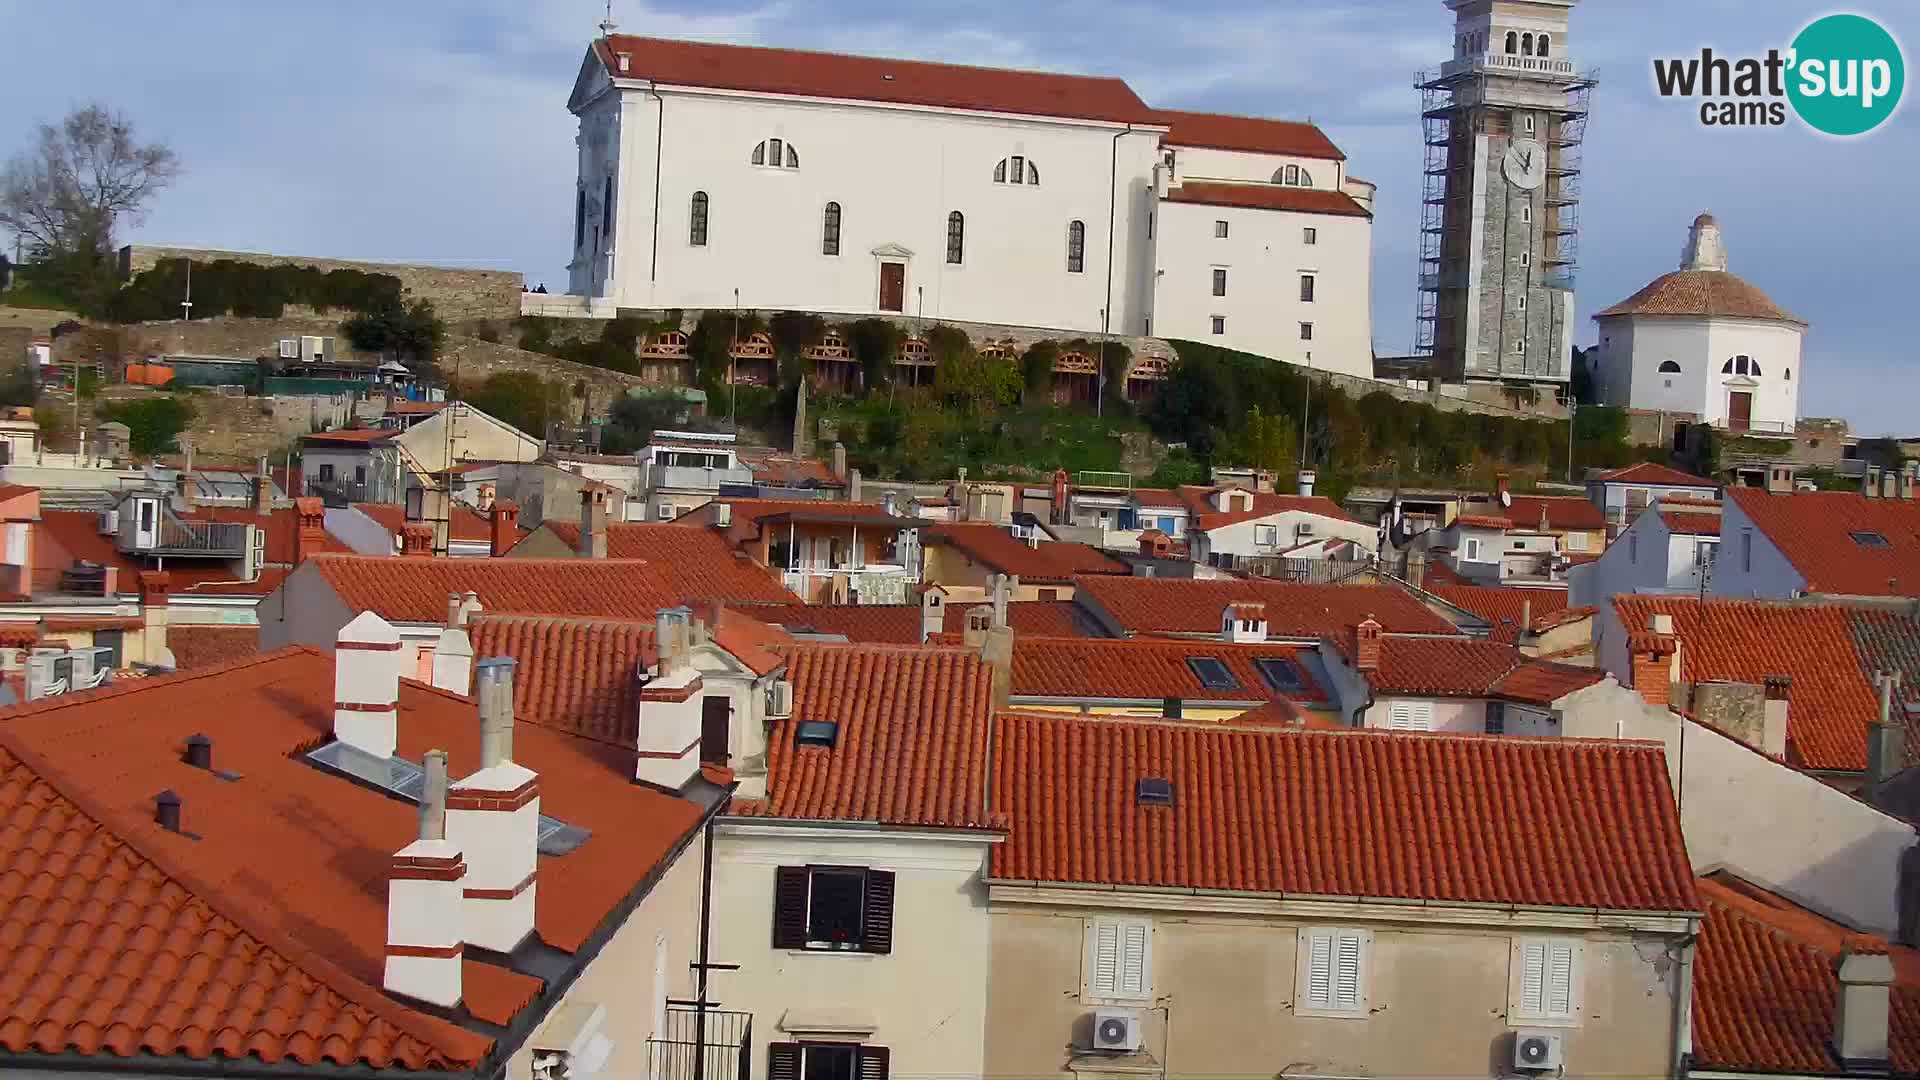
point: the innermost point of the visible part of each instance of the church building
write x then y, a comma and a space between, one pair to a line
1702, 341
714, 175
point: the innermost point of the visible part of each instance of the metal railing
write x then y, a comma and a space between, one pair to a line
1114, 480
678, 1052
227, 540
1777, 428
693, 477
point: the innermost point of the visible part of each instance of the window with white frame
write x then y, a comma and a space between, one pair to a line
1016, 170
775, 154
1473, 549
1545, 982
1307, 283
1331, 973
1410, 716
1266, 535
1310, 236
1219, 324
1306, 331
1219, 230
1576, 541
1119, 960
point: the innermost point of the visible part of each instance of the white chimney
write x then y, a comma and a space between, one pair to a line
933, 613
1773, 723
425, 886
722, 514
493, 816
366, 685
1306, 480
670, 706
1860, 1018
453, 661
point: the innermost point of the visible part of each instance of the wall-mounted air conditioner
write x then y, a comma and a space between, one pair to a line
1116, 1031
779, 699
1536, 1051
289, 348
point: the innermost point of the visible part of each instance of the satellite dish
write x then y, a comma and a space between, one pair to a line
1506, 500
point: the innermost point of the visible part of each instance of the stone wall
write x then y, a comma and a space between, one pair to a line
457, 294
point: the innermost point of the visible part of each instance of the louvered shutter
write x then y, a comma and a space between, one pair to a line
1346, 971
790, 907
1400, 716
1533, 978
871, 1063
783, 1061
1320, 970
1422, 716
877, 921
1559, 984
1134, 943
1103, 975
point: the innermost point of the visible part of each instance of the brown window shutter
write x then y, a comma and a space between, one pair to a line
877, 920
783, 1061
790, 907
870, 1062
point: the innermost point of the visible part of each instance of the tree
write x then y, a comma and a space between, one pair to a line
152, 423
80, 179
635, 417
1261, 442
391, 327
524, 400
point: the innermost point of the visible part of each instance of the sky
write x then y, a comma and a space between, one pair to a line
437, 131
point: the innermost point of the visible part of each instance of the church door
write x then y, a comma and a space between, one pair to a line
893, 286
1739, 410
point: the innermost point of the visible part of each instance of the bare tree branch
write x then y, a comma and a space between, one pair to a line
81, 179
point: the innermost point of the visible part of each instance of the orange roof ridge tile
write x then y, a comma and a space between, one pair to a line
122, 687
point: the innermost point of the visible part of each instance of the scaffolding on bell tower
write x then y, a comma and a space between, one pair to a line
1450, 99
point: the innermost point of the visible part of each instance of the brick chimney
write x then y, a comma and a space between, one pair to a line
493, 816
1366, 645
426, 883
503, 527
593, 524
670, 706
1061, 514
1653, 651
154, 586
416, 539
366, 685
262, 489
310, 536
1860, 1016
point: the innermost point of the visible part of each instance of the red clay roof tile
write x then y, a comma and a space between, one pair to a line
1502, 607
1348, 813
1685, 523
199, 645
1048, 561
1473, 668
699, 556
1294, 611
1564, 513
1149, 669
1300, 200
1813, 529
464, 524
1656, 475
1215, 131
1701, 293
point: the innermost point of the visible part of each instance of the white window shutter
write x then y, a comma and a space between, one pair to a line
1533, 978
1423, 716
1346, 971
1320, 970
1559, 985
1133, 960
1104, 977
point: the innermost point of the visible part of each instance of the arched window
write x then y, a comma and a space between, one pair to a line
1668, 367
1293, 176
1526, 44
606, 208
697, 220
1017, 169
1000, 172
776, 154
1076, 247
1540, 48
956, 238
760, 153
579, 218
830, 230
1787, 374
1741, 365
1513, 43
1033, 172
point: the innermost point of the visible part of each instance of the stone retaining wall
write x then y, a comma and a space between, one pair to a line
457, 294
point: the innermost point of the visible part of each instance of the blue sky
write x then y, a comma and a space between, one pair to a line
438, 132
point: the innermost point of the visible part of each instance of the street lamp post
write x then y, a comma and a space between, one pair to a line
733, 380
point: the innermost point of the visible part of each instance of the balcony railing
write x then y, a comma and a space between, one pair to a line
1503, 64
1775, 429
1117, 481
694, 478
720, 1048
213, 539
851, 585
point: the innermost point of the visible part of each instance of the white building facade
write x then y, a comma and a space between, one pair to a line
1703, 341
716, 175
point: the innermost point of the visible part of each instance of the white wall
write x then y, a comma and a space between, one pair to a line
1206, 163
1460, 715
1240, 538
360, 533
927, 998
1265, 255
896, 171
1749, 566
1647, 558
1775, 826
1633, 348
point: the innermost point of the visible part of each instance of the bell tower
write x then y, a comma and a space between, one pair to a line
1503, 120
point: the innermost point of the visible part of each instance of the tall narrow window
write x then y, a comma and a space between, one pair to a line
1526, 45
1526, 213
1513, 43
697, 220
775, 151
1306, 288
1529, 124
830, 230
1541, 49
1293, 175
1219, 324
956, 238
1019, 172
1306, 331
579, 218
1219, 281
760, 153
606, 208
1310, 236
793, 157
1076, 247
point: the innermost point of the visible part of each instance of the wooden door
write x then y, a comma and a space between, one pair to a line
715, 716
1739, 410
893, 286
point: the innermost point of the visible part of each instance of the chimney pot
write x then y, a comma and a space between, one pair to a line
199, 752
503, 528
166, 811
366, 685
1305, 483
433, 797
493, 683
1366, 645
593, 524
1860, 1019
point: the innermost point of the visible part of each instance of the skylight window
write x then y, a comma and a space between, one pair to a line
406, 780
1212, 673
1154, 791
1280, 674
816, 733
1869, 539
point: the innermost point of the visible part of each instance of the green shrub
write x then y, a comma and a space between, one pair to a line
153, 424
875, 342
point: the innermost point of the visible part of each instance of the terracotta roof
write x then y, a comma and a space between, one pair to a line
266, 936
414, 590
1199, 502
573, 675
1300, 200
65, 536
281, 525
1482, 521
1564, 512
1501, 606
1656, 475
871, 624
1193, 606
863, 78
199, 645
464, 523
1830, 651
1670, 502
1701, 293
1474, 819
19, 635
13, 491
789, 470
702, 558
1813, 529
1471, 668
1215, 131
1690, 524
352, 436
1160, 497
912, 742
263, 585
1765, 986
1040, 618
1049, 561
1149, 669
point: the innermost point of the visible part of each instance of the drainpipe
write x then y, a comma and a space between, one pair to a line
706, 927
659, 133
1683, 1007
1106, 315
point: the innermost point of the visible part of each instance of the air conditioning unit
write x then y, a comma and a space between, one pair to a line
1305, 528
1116, 1031
1536, 1051
289, 348
779, 699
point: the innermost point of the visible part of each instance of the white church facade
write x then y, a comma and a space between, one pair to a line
713, 175
1703, 341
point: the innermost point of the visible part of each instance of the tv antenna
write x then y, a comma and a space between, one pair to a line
606, 24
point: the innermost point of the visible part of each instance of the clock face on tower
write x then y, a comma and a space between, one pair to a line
1526, 164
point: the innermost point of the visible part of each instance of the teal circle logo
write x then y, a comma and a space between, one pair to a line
1847, 74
